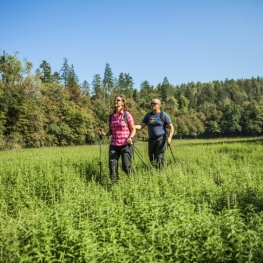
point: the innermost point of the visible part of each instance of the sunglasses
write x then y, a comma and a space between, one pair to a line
154, 103
117, 100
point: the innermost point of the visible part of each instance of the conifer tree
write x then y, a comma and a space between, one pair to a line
72, 77
97, 87
165, 89
85, 86
108, 83
65, 71
45, 72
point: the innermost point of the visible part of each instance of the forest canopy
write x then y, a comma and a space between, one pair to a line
47, 108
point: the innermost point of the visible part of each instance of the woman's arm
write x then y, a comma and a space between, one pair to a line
101, 132
140, 126
132, 133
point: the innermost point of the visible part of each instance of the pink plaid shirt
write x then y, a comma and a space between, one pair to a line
119, 130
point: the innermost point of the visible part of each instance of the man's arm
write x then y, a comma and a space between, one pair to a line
171, 132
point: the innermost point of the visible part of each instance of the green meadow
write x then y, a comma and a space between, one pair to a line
207, 206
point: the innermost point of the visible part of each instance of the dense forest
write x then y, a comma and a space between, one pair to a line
47, 108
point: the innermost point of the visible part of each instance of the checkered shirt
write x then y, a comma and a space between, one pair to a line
119, 130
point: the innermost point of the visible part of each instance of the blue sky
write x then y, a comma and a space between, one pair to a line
183, 40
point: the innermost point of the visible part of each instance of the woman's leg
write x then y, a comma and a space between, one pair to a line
114, 155
126, 156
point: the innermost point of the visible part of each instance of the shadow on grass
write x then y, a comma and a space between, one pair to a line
92, 171
244, 201
227, 141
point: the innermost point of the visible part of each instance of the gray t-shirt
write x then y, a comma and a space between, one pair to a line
155, 125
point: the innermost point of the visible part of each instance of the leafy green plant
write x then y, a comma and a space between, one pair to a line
205, 207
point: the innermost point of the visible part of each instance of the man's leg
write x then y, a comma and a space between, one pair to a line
160, 150
152, 151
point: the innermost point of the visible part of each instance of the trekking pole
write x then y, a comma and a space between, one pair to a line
100, 162
136, 151
171, 151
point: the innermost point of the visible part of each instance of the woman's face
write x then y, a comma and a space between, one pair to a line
118, 102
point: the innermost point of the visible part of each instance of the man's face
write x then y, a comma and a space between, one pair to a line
155, 104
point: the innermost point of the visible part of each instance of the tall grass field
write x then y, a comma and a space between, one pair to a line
57, 205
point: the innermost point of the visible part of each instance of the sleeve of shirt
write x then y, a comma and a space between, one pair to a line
167, 119
130, 118
145, 119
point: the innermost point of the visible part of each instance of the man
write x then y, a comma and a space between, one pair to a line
157, 121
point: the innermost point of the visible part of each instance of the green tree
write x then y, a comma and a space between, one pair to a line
253, 118
165, 90
231, 121
11, 69
108, 83
56, 77
72, 78
206, 93
85, 87
213, 121
183, 103
97, 87
190, 92
65, 72
125, 85
45, 72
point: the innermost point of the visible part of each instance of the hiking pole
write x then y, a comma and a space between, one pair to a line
136, 151
171, 151
100, 162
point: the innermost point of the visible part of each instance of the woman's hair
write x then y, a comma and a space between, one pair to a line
124, 102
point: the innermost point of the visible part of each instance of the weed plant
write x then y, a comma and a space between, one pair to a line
205, 207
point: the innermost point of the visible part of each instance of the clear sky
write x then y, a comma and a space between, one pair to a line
183, 40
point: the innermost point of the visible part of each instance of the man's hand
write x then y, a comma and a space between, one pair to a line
169, 140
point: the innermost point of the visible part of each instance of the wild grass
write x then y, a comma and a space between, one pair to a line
205, 207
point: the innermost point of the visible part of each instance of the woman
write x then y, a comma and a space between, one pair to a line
122, 131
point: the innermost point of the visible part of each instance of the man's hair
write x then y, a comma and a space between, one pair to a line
158, 101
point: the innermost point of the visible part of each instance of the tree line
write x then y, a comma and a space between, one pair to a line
47, 108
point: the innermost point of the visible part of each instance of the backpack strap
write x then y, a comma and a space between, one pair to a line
110, 116
162, 117
125, 119
163, 121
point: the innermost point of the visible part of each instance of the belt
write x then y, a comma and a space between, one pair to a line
155, 138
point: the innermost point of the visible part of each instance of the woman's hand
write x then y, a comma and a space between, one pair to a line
101, 132
130, 140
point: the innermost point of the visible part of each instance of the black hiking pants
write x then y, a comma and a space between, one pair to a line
156, 150
115, 152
